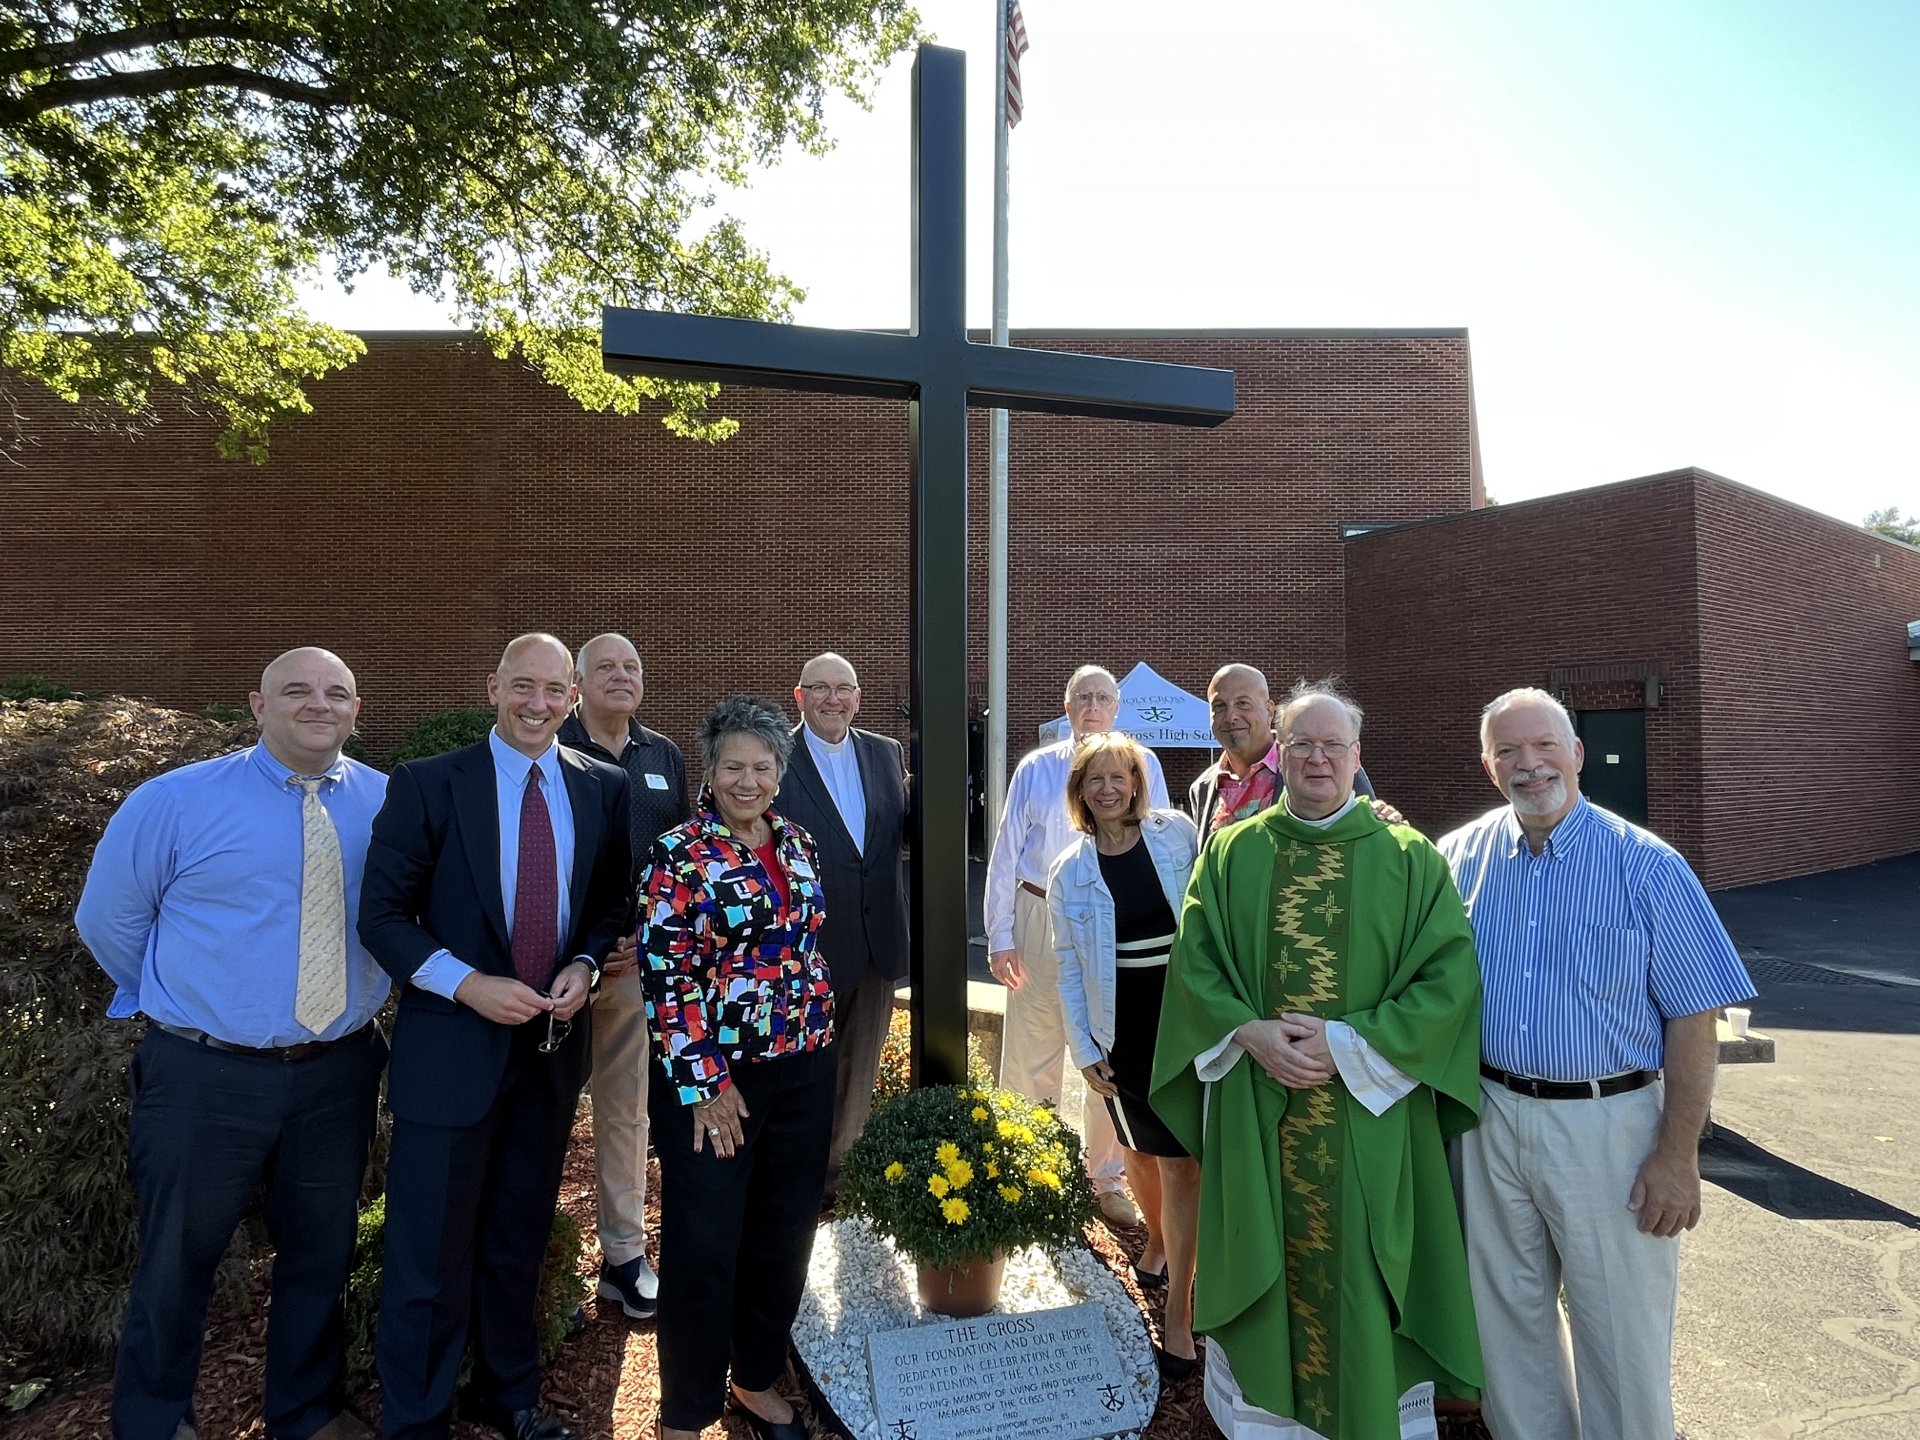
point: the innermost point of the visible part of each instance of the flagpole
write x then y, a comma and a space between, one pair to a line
996, 776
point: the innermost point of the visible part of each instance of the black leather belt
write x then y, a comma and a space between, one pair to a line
1569, 1089
305, 1050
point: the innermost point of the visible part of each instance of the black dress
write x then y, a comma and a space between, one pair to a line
1143, 929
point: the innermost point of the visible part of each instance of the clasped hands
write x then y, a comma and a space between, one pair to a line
507, 1001
1292, 1049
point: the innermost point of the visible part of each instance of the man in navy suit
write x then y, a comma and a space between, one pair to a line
496, 884
847, 789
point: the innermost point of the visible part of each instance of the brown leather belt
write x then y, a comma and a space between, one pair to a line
305, 1050
1569, 1089
1033, 889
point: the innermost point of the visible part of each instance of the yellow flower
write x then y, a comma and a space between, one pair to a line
937, 1184
959, 1172
993, 1171
947, 1152
979, 1112
1008, 1129
955, 1210
1010, 1193
1037, 1176
987, 1145
1042, 1115
895, 1172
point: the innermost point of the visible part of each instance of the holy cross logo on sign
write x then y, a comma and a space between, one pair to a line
939, 372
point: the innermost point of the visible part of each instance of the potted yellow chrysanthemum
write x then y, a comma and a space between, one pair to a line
956, 1177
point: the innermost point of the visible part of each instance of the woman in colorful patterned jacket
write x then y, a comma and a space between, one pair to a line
741, 1099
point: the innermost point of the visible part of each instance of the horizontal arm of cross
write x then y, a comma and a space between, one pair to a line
754, 352
1058, 382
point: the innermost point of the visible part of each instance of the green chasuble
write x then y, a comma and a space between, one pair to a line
1332, 1268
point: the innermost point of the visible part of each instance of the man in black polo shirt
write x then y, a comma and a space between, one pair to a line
605, 726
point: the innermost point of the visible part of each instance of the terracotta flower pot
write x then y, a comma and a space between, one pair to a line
965, 1288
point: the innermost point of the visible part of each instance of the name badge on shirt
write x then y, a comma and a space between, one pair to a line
656, 782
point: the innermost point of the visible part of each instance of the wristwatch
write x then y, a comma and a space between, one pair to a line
593, 972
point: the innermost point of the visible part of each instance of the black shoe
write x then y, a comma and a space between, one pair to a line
1150, 1279
1174, 1367
763, 1429
529, 1424
633, 1285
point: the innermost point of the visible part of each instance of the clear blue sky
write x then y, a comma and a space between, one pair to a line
1678, 233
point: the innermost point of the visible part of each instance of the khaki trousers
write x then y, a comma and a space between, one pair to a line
1543, 1195
619, 1089
1033, 1046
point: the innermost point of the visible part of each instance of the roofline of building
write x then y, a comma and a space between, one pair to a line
1661, 477
1442, 332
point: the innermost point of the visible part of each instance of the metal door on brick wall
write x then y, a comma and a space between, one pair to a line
1615, 774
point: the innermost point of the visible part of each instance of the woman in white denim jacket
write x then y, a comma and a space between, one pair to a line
1114, 896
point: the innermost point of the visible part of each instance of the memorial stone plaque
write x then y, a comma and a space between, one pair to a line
1047, 1375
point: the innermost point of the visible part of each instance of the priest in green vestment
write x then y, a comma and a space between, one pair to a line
1319, 1044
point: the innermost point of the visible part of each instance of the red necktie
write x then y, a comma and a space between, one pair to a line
536, 891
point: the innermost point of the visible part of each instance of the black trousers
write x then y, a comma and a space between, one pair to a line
736, 1235
208, 1127
469, 1210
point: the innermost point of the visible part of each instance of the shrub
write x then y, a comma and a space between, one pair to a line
67, 1236
954, 1172
896, 1062
561, 1289
442, 731
32, 687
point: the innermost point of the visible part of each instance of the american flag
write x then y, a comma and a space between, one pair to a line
1016, 47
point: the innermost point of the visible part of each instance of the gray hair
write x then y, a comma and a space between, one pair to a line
1082, 673
1305, 692
1525, 695
744, 715
580, 661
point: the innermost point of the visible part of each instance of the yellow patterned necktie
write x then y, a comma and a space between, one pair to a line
320, 991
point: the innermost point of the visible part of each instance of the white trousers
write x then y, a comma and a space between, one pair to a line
1543, 1195
619, 1089
1033, 1043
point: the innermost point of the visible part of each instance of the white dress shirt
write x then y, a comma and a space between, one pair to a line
839, 766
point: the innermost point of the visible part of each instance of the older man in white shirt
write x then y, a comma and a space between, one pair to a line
1034, 830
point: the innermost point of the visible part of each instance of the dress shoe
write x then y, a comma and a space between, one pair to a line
633, 1285
1118, 1208
1150, 1279
1174, 1367
762, 1428
529, 1424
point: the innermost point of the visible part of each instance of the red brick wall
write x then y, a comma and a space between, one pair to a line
439, 501
1444, 616
1812, 758
1787, 740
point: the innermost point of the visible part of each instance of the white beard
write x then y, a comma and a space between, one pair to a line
1540, 802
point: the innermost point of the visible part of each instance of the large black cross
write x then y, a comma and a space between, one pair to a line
939, 372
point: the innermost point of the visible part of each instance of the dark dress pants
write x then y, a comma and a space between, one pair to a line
736, 1235
469, 1211
208, 1127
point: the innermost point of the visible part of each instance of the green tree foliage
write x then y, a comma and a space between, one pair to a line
442, 731
170, 171
1890, 523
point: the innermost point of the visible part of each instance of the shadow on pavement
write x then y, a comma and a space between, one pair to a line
1735, 1163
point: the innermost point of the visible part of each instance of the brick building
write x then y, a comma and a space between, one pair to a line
1737, 665
439, 500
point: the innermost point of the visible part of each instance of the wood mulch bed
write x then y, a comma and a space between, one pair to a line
606, 1381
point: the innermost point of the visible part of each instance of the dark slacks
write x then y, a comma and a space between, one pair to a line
860, 1019
208, 1127
736, 1235
469, 1210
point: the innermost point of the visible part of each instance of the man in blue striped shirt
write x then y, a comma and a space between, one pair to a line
1603, 966
220, 902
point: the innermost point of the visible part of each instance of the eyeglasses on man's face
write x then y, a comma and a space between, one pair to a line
820, 690
1303, 749
1102, 699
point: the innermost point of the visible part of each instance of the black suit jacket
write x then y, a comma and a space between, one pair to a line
433, 882
866, 895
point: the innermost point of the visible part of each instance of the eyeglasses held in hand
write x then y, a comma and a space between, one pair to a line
557, 1032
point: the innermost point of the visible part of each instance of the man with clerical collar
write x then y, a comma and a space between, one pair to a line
847, 788
1604, 966
1246, 778
1319, 1043
606, 725
220, 902
1034, 830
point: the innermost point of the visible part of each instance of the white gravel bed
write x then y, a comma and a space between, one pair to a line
858, 1283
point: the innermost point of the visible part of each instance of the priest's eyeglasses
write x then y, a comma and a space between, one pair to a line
1303, 749
557, 1032
820, 690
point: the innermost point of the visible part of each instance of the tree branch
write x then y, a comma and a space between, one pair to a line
139, 84
82, 49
